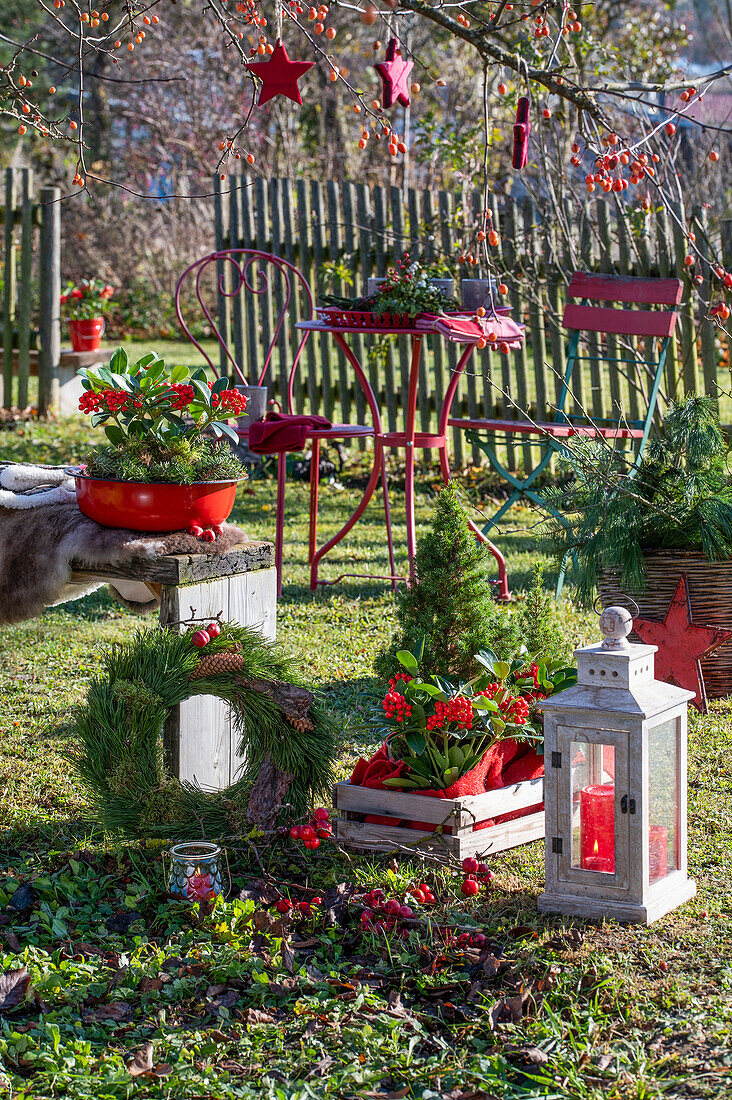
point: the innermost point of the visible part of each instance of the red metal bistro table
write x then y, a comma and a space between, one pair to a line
409, 439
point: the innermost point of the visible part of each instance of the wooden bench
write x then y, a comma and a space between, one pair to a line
200, 742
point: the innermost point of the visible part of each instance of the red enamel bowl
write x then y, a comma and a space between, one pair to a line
156, 506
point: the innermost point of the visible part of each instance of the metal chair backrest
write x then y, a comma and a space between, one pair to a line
257, 297
654, 327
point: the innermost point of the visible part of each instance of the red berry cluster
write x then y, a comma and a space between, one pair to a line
231, 402
303, 908
203, 637
108, 400
184, 396
207, 534
318, 829
475, 873
513, 707
457, 712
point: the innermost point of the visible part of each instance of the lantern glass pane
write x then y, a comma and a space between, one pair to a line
663, 800
593, 807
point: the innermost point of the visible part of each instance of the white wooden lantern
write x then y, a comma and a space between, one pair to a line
615, 785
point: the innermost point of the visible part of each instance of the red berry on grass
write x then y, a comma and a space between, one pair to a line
470, 887
200, 638
479, 940
378, 894
321, 814
307, 832
295, 832
213, 630
316, 901
482, 868
325, 832
470, 865
417, 894
305, 909
406, 912
283, 906
315, 843
217, 529
392, 906
208, 535
195, 530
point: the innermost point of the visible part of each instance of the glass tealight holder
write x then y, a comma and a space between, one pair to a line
195, 871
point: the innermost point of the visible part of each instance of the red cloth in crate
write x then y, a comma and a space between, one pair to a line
504, 764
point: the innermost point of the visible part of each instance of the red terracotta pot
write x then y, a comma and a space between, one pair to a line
86, 333
157, 506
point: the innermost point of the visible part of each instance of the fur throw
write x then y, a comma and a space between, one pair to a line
42, 532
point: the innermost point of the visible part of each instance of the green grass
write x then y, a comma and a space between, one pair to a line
618, 1012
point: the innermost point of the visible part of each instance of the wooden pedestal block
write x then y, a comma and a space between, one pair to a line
355, 803
200, 742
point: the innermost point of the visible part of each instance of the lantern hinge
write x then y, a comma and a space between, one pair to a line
556, 759
557, 845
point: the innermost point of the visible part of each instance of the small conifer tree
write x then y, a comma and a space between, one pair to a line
448, 603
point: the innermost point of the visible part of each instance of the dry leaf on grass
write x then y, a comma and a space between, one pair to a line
115, 1010
13, 988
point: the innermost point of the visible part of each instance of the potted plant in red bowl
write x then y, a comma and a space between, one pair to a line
84, 305
167, 465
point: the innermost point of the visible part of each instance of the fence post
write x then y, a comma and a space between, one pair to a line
8, 287
24, 286
49, 295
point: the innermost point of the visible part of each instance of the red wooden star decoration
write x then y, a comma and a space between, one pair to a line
279, 75
394, 72
681, 644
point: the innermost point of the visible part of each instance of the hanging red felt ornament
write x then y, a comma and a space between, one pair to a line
279, 75
521, 131
394, 73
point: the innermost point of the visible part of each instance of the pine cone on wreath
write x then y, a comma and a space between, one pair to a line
218, 664
300, 724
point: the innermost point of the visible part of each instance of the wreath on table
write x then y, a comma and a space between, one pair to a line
288, 740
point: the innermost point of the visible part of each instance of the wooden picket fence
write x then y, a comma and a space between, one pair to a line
340, 234
31, 274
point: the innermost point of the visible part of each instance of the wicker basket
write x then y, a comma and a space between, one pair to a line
350, 318
710, 594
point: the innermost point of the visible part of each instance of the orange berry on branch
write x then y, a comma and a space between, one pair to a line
318, 28
414, 88
73, 125
21, 129
117, 44
501, 89
330, 33
502, 288
104, 17
333, 75
713, 155
369, 15
401, 146
25, 109
670, 129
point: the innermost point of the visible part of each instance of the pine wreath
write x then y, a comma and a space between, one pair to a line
289, 742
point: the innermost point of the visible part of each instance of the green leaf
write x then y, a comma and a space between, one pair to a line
486, 658
178, 374
118, 360
501, 669
419, 650
220, 384
145, 360
115, 435
224, 429
416, 741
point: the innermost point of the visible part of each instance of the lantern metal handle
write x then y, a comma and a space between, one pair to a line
599, 610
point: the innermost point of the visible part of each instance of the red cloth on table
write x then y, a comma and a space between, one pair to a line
468, 329
503, 764
283, 432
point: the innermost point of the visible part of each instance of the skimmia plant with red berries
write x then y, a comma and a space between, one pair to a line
441, 728
87, 299
155, 417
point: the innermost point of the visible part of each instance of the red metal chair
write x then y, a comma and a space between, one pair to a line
241, 271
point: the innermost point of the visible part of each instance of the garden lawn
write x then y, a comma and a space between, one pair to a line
132, 994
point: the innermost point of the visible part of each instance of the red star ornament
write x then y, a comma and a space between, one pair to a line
394, 72
681, 644
279, 75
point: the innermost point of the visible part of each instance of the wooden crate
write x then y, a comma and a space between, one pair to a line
458, 814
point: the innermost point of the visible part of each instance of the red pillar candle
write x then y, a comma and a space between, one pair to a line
597, 828
199, 886
657, 853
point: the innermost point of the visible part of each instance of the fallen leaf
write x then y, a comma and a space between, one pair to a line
151, 985
257, 1016
260, 891
13, 942
120, 922
86, 950
288, 957
527, 1056
604, 1061
225, 1000
115, 1010
13, 988
23, 897
141, 1061
320, 1069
